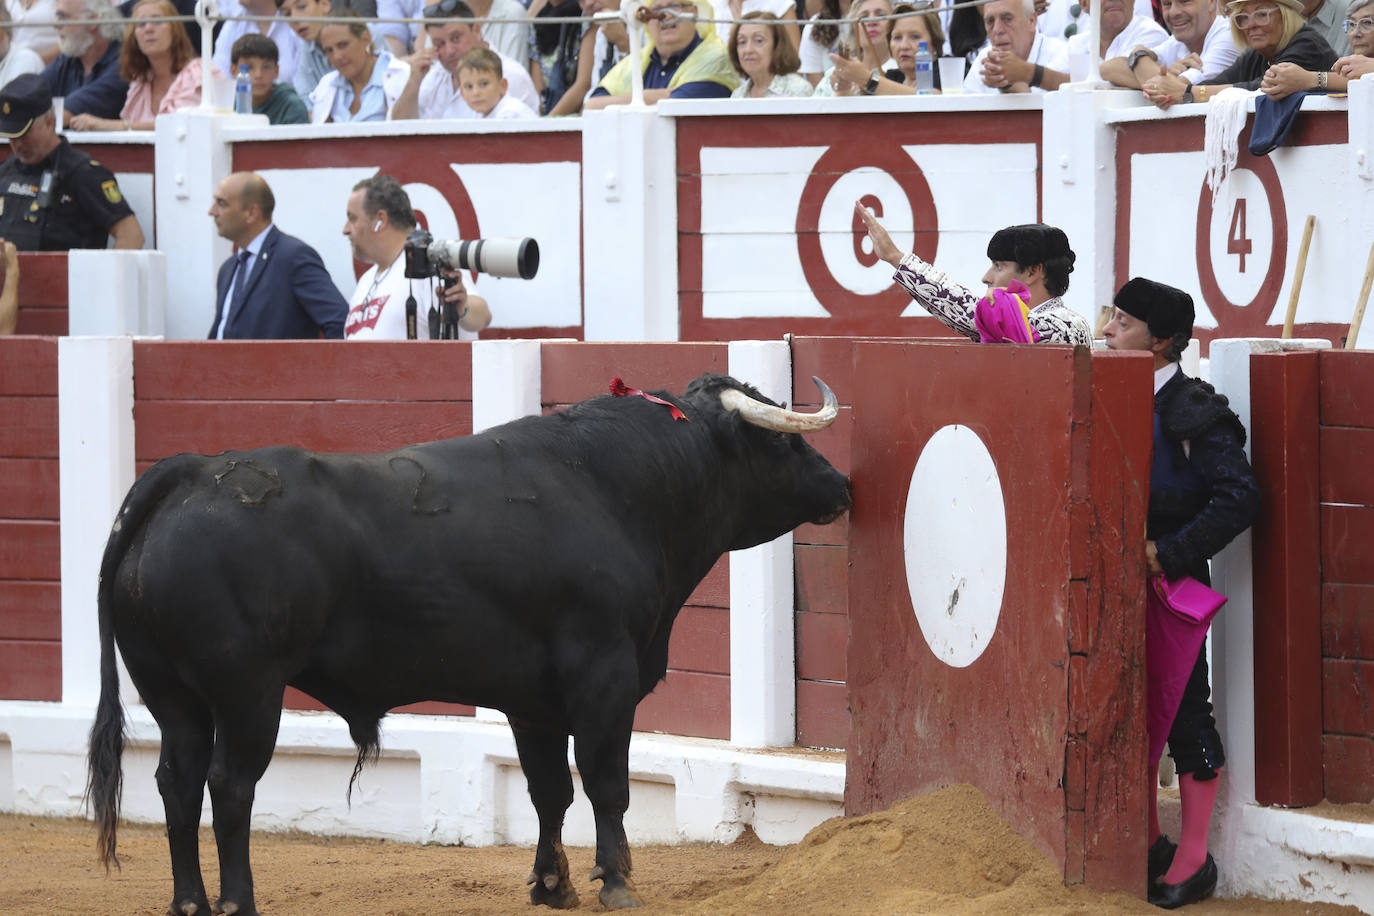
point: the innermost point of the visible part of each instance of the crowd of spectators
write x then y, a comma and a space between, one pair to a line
120, 74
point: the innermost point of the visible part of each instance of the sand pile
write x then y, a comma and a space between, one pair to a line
947, 852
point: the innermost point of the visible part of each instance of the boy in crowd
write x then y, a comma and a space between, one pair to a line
484, 88
277, 100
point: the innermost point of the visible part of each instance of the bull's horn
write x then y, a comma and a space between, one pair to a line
780, 419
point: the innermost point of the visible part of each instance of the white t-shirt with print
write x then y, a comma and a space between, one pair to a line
377, 310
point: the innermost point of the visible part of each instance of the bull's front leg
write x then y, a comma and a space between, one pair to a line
603, 760
544, 759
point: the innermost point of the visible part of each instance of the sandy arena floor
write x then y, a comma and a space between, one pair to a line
946, 853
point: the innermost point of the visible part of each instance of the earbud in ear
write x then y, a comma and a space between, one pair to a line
377, 226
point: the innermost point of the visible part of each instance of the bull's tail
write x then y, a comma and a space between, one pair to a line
105, 776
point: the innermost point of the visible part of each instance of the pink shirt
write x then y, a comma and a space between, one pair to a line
183, 93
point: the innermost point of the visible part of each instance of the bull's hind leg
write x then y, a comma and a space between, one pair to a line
544, 758
245, 735
187, 735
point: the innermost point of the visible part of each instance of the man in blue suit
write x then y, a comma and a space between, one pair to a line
275, 287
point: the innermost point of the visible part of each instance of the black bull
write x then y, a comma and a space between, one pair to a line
535, 568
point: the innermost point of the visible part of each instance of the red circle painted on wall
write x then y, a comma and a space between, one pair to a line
834, 164
1265, 298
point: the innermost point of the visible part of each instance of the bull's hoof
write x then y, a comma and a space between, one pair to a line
188, 908
619, 896
232, 908
553, 891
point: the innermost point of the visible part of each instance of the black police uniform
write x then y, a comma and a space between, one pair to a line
80, 204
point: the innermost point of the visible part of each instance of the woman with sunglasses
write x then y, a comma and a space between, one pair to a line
1271, 32
1284, 79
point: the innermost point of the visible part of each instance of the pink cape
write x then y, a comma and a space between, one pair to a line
1001, 316
1177, 616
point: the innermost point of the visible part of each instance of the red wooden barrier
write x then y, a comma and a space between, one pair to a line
42, 293
30, 567
1287, 579
1048, 719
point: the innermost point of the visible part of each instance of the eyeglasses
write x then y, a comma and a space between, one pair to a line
1358, 25
1260, 17
448, 8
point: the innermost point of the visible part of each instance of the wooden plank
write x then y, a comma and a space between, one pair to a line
836, 533
1347, 544
209, 427
714, 590
44, 322
1287, 578
29, 488
431, 708
30, 610
822, 641
305, 370
1348, 697
43, 278
1348, 621
822, 574
28, 427
1348, 761
687, 703
1345, 453
30, 550
30, 670
823, 715
576, 371
28, 366
1347, 377
701, 640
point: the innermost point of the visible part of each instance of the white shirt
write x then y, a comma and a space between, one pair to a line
288, 42
815, 57
377, 310
1219, 51
19, 61
509, 39
240, 276
508, 109
394, 80
32, 36
1141, 30
1050, 53
439, 98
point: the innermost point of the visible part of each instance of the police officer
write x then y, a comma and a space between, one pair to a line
53, 197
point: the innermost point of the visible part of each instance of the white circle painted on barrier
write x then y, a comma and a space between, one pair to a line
836, 226
955, 543
1241, 236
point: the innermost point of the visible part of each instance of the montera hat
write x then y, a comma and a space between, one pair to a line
23, 100
1164, 309
1032, 243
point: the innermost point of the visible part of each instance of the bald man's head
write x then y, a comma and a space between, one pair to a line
242, 207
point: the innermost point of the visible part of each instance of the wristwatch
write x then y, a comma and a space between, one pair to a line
872, 85
1136, 55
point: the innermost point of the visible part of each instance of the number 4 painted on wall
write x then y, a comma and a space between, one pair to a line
1236, 241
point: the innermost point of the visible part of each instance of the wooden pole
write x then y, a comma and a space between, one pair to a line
1297, 277
1358, 318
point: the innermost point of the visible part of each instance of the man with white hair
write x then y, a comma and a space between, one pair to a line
86, 70
1017, 58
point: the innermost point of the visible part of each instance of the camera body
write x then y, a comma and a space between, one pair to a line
498, 257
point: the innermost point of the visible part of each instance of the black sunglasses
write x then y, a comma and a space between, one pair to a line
448, 8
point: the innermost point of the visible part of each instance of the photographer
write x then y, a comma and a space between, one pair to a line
377, 221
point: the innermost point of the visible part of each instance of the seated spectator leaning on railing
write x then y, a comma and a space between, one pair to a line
14, 58
865, 50
687, 60
163, 71
86, 72
279, 30
40, 39
484, 88
183, 8
1273, 32
1200, 47
1122, 30
1284, 79
1017, 58
9, 291
764, 56
279, 101
603, 45
365, 82
78, 205
436, 92
904, 38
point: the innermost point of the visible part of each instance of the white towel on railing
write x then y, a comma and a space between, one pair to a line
1226, 114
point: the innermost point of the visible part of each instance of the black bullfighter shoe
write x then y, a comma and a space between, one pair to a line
1197, 886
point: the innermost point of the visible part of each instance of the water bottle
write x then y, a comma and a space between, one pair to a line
925, 73
243, 91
